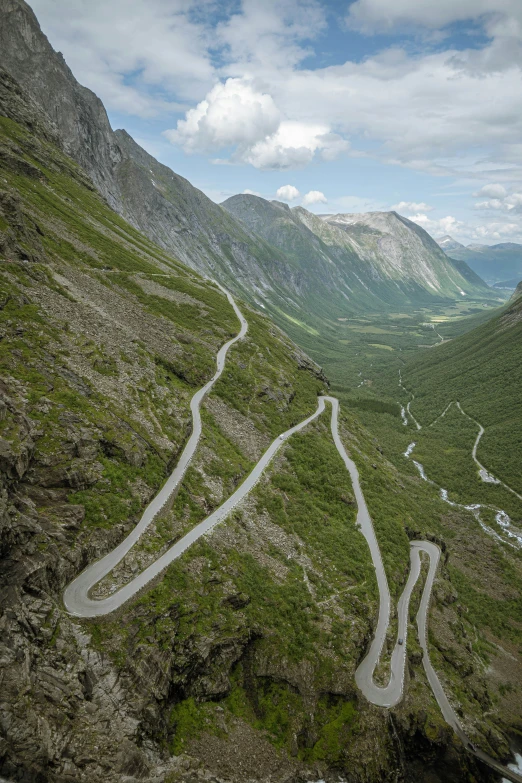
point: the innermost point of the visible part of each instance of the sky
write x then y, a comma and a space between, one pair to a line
412, 105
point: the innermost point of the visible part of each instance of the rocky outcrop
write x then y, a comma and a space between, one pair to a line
165, 206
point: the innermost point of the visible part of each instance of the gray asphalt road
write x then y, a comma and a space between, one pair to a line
78, 602
75, 596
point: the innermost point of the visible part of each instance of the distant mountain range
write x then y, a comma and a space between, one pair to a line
301, 268
500, 263
386, 255
353, 263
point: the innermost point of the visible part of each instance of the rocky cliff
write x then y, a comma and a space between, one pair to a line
239, 662
165, 206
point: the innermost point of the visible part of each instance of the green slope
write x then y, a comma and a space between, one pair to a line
242, 656
483, 370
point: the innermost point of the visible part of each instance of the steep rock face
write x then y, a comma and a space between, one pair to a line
77, 113
166, 207
368, 260
402, 250
180, 218
318, 279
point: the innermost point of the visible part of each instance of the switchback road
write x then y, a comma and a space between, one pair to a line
79, 603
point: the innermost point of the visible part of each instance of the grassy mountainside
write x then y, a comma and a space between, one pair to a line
483, 370
239, 661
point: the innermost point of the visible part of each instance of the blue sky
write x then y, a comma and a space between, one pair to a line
341, 106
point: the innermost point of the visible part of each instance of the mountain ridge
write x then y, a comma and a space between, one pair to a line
494, 263
191, 227
358, 250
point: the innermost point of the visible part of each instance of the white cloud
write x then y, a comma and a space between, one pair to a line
294, 145
248, 192
314, 197
412, 206
502, 200
492, 191
487, 231
497, 230
248, 94
155, 41
269, 34
445, 225
494, 203
236, 114
233, 113
287, 193
514, 202
381, 15
420, 111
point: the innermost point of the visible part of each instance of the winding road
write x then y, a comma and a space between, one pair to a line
78, 602
501, 517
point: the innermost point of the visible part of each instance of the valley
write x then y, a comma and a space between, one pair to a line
260, 474
348, 347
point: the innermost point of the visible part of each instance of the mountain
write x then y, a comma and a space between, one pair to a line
403, 251
494, 263
165, 206
358, 262
313, 272
509, 285
448, 243
242, 655
483, 370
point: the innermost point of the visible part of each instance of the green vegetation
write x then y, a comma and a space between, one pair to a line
264, 382
277, 710
445, 451
290, 602
105, 338
321, 509
483, 370
309, 498
503, 618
